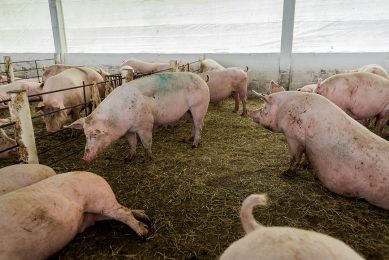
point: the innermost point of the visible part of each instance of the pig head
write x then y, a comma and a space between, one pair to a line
100, 134
267, 114
274, 87
54, 117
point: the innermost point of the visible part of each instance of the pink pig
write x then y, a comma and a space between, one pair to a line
138, 106
224, 82
361, 95
349, 159
40, 219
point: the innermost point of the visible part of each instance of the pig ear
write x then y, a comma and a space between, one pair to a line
262, 97
40, 106
78, 124
272, 83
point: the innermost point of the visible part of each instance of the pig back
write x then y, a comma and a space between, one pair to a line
172, 94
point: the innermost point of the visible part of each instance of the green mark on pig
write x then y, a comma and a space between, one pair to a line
167, 83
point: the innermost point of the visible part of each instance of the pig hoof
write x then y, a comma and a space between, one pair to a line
244, 114
289, 174
141, 216
234, 111
195, 146
142, 231
129, 158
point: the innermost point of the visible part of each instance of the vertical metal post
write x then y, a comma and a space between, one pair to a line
83, 89
9, 69
286, 42
37, 71
173, 65
186, 67
58, 28
19, 109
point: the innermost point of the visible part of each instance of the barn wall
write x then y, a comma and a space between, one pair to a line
306, 67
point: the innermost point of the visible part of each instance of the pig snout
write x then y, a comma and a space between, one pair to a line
89, 155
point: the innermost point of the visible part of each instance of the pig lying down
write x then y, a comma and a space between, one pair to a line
310, 88
136, 107
361, 95
283, 242
226, 82
40, 219
31, 87
375, 69
20, 175
348, 158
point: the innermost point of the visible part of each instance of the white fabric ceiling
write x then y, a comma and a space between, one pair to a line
196, 26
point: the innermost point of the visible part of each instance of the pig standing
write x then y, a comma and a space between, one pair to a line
7, 142
361, 95
40, 219
349, 159
138, 106
74, 97
20, 175
222, 83
58, 68
375, 69
274, 87
283, 242
143, 67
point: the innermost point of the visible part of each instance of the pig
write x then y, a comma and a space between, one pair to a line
31, 87
71, 77
263, 242
3, 79
138, 106
348, 159
209, 65
361, 95
58, 68
308, 88
40, 219
274, 87
6, 143
375, 69
21, 175
222, 83
143, 67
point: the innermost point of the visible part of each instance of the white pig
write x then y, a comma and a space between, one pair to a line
136, 107
40, 219
270, 243
348, 158
20, 175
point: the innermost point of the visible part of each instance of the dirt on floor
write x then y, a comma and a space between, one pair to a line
193, 196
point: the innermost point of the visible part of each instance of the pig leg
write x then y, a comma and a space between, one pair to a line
146, 139
125, 215
243, 98
131, 138
198, 114
296, 150
236, 98
382, 121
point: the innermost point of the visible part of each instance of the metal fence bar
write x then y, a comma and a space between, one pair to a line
37, 71
25, 61
56, 111
84, 92
9, 148
7, 124
52, 148
35, 68
63, 158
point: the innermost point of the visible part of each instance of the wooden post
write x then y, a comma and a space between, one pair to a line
19, 109
173, 65
130, 75
186, 67
9, 70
